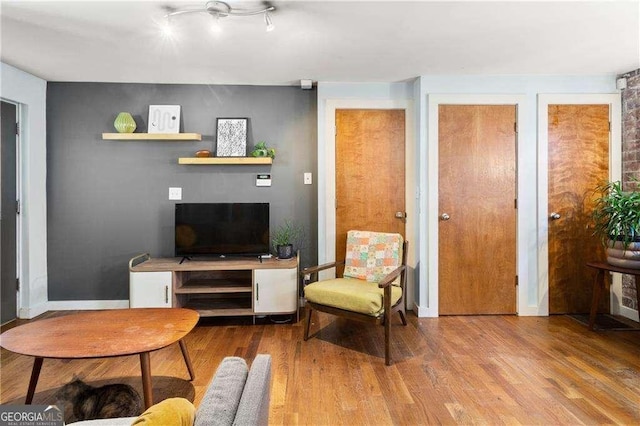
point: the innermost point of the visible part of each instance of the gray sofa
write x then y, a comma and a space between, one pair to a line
236, 395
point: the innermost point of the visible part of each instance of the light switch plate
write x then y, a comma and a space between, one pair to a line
308, 178
175, 193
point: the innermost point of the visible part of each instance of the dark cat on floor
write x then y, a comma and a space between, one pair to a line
85, 402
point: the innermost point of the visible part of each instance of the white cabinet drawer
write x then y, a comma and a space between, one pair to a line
275, 291
150, 289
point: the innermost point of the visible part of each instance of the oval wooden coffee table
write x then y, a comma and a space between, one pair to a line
102, 334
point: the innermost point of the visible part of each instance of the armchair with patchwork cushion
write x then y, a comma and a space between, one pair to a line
372, 286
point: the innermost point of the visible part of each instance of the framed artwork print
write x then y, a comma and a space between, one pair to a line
164, 118
231, 137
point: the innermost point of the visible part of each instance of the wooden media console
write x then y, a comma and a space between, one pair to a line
220, 287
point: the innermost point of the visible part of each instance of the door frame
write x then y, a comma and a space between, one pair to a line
327, 174
615, 173
432, 208
18, 181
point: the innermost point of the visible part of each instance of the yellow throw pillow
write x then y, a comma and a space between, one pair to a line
171, 411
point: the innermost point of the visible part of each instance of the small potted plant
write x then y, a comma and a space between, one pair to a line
617, 222
261, 150
284, 238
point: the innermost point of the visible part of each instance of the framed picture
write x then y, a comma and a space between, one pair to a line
231, 137
164, 118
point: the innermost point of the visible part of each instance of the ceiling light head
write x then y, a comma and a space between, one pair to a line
269, 22
218, 8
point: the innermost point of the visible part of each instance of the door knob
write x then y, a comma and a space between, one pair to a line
554, 216
444, 216
400, 215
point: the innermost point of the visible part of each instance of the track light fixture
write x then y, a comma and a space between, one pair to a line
220, 9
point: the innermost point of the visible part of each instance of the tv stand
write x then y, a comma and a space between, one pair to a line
221, 287
184, 258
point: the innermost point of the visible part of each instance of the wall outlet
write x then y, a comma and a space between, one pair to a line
175, 193
308, 179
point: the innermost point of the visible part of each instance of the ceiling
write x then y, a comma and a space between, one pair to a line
329, 41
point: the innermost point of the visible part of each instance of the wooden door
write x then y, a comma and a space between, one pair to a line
477, 192
370, 173
578, 162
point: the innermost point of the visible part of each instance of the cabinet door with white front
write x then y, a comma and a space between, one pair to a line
150, 289
275, 291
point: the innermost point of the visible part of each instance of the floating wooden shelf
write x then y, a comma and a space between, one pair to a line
153, 136
204, 286
225, 160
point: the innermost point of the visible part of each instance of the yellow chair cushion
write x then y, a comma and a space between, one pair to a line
351, 295
172, 411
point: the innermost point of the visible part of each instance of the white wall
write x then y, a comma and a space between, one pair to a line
30, 93
527, 88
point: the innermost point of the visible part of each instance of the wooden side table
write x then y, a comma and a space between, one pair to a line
599, 285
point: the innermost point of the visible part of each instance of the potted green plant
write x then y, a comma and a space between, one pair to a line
616, 217
284, 238
261, 150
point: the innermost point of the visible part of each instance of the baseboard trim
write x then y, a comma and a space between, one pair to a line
32, 311
629, 313
533, 311
423, 312
84, 305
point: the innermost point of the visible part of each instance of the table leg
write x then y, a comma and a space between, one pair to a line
35, 373
147, 389
187, 360
598, 284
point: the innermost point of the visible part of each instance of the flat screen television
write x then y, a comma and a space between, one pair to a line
221, 229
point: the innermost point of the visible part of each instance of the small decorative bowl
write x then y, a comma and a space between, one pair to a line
203, 153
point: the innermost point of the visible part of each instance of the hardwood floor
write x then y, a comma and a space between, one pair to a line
447, 370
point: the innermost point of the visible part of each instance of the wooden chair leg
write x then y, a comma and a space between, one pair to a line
402, 317
387, 345
307, 323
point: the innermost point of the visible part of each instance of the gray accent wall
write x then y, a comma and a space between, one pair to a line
108, 200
